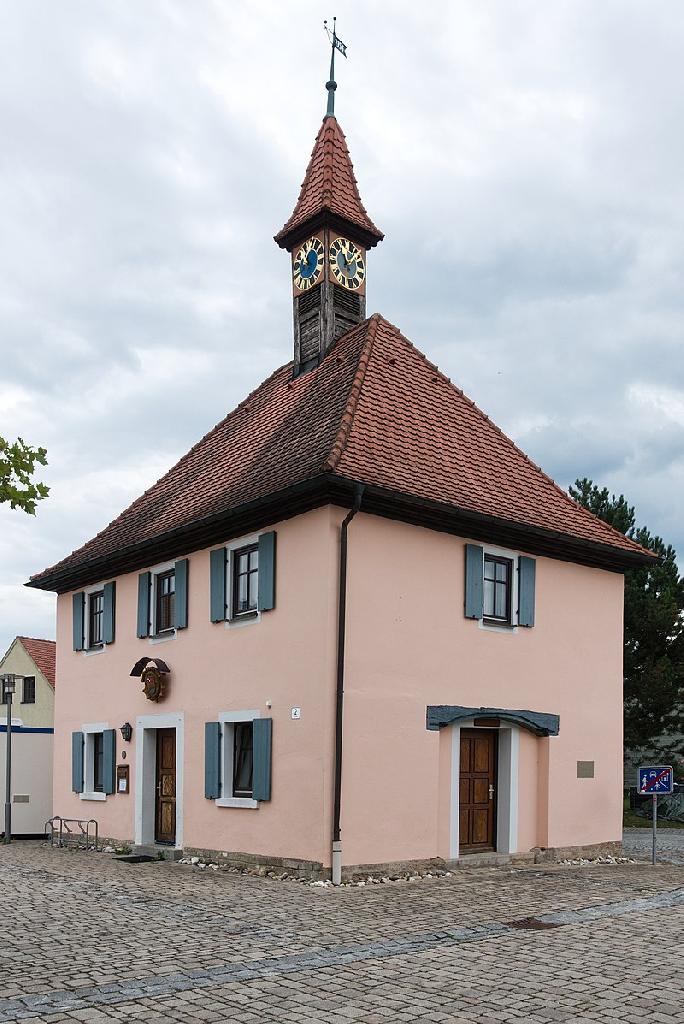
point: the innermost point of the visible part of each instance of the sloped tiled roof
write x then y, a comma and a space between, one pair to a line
42, 652
329, 185
375, 411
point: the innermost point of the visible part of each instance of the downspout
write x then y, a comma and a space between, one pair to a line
339, 703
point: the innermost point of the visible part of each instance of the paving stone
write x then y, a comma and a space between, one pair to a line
94, 940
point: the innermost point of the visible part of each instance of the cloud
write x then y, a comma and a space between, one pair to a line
524, 161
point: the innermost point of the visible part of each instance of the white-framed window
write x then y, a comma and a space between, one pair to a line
500, 589
163, 601
236, 758
242, 580
93, 761
93, 619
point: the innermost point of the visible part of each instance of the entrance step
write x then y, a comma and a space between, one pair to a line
157, 852
482, 860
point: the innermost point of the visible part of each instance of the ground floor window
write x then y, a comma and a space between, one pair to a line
97, 754
242, 759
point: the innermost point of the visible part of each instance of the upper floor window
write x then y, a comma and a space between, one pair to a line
245, 580
96, 618
165, 601
498, 585
28, 693
93, 617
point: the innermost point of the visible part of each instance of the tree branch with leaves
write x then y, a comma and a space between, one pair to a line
18, 462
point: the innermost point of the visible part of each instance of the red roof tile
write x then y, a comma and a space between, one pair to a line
375, 411
329, 185
42, 652
413, 431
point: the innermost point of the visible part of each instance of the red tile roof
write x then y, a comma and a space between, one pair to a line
375, 411
42, 652
329, 185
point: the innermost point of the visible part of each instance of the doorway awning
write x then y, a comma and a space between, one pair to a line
541, 724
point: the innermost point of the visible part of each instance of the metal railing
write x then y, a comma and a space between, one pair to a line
79, 832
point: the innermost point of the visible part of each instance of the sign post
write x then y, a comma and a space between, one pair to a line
655, 781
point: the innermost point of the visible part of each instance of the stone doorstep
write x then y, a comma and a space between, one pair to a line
166, 852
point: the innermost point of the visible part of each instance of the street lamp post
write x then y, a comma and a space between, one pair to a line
8, 682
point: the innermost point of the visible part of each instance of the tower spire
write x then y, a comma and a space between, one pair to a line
331, 84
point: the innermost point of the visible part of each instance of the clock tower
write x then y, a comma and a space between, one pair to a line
328, 237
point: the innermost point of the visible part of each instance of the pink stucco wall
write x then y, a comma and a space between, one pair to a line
408, 645
286, 658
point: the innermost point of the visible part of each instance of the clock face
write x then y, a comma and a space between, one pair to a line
346, 263
308, 264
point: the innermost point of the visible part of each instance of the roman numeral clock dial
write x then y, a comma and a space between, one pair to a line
307, 266
346, 264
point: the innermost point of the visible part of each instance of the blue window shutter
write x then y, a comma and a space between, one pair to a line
109, 612
144, 604
527, 571
267, 570
212, 760
181, 569
474, 575
261, 757
78, 609
77, 762
217, 589
109, 761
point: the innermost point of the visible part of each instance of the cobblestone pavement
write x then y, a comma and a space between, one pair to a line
87, 938
637, 842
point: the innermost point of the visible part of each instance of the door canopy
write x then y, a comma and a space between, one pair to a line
541, 724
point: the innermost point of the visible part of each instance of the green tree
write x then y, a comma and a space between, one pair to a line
18, 462
654, 625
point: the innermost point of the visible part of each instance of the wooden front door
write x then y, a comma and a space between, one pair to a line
477, 791
165, 808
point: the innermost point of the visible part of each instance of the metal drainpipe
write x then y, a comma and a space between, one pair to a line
341, 623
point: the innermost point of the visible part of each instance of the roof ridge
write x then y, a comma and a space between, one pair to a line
347, 418
501, 433
38, 639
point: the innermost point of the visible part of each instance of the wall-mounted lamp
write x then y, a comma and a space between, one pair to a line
126, 731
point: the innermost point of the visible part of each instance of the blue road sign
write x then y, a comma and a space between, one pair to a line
655, 780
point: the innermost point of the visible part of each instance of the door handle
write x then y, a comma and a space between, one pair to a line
491, 792
159, 789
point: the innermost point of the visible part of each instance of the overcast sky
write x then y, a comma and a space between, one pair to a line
524, 160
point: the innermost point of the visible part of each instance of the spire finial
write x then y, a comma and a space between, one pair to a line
331, 84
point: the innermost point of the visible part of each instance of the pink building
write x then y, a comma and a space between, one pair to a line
354, 625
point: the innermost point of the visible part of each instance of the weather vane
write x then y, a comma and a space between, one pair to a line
331, 85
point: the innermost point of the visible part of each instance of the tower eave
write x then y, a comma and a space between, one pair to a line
289, 237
